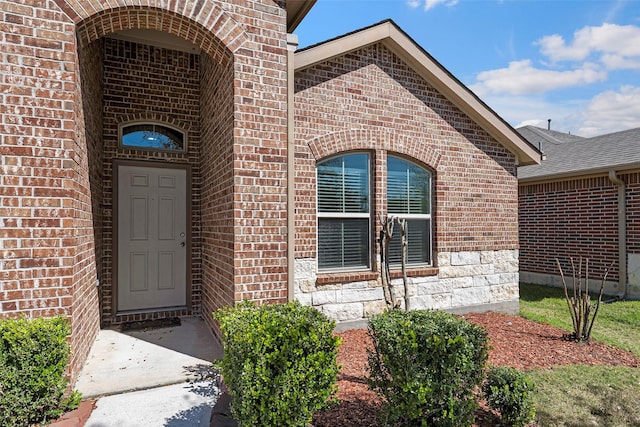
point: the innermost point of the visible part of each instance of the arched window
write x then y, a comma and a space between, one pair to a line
409, 197
344, 213
152, 136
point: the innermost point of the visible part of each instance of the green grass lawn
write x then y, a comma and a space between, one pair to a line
575, 396
580, 396
617, 323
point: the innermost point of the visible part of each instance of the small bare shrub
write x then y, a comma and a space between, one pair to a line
583, 312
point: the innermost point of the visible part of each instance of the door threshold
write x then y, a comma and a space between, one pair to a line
151, 310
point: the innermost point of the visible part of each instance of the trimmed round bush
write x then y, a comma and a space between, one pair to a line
33, 358
279, 363
425, 365
510, 392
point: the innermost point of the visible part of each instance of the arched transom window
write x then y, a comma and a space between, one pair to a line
152, 136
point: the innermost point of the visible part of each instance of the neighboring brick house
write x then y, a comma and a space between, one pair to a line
158, 160
583, 200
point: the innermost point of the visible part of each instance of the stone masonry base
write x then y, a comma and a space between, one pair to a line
465, 282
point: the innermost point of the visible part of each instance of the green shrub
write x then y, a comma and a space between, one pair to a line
279, 363
510, 392
425, 365
33, 358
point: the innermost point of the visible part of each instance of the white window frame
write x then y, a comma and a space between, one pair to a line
351, 215
422, 217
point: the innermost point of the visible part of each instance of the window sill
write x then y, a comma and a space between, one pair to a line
414, 272
345, 277
363, 276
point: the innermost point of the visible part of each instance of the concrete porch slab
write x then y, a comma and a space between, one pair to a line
178, 405
121, 362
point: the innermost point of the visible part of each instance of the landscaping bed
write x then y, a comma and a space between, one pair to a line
514, 341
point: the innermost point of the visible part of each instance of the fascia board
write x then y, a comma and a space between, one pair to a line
579, 174
338, 47
296, 11
461, 97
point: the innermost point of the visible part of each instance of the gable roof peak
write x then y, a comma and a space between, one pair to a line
389, 34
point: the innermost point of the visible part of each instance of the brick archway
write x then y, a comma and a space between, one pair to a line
94, 20
367, 139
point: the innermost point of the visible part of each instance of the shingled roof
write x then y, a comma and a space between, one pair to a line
541, 137
569, 155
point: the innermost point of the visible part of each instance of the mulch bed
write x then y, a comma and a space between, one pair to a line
514, 341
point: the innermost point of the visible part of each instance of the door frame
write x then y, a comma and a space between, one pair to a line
114, 249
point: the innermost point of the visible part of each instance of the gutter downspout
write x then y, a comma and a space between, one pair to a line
292, 45
622, 232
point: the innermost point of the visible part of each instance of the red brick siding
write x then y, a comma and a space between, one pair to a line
149, 83
216, 115
632, 181
255, 33
371, 100
86, 313
572, 218
259, 153
38, 198
46, 233
96, 19
54, 172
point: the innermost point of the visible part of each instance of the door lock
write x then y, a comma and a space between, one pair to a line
182, 244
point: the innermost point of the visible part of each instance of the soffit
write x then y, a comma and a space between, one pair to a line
156, 38
296, 11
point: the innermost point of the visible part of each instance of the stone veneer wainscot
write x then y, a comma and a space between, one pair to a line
466, 282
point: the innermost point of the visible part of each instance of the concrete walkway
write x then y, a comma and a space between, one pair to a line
157, 377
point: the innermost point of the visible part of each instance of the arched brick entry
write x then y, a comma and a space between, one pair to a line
159, 86
237, 156
95, 19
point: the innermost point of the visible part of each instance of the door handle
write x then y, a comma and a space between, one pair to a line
182, 244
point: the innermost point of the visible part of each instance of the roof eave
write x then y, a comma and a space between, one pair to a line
296, 11
406, 48
602, 170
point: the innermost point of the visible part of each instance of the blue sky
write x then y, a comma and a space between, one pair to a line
575, 62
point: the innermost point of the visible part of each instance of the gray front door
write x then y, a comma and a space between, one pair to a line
152, 238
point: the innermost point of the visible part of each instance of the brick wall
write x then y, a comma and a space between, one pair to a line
88, 110
572, 218
632, 181
38, 198
371, 100
259, 154
47, 262
56, 151
253, 35
579, 217
216, 117
144, 82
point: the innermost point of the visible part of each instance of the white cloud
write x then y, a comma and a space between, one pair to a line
619, 62
621, 41
607, 112
535, 110
554, 47
430, 4
612, 111
523, 78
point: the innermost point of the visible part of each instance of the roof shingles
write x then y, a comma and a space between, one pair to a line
570, 155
